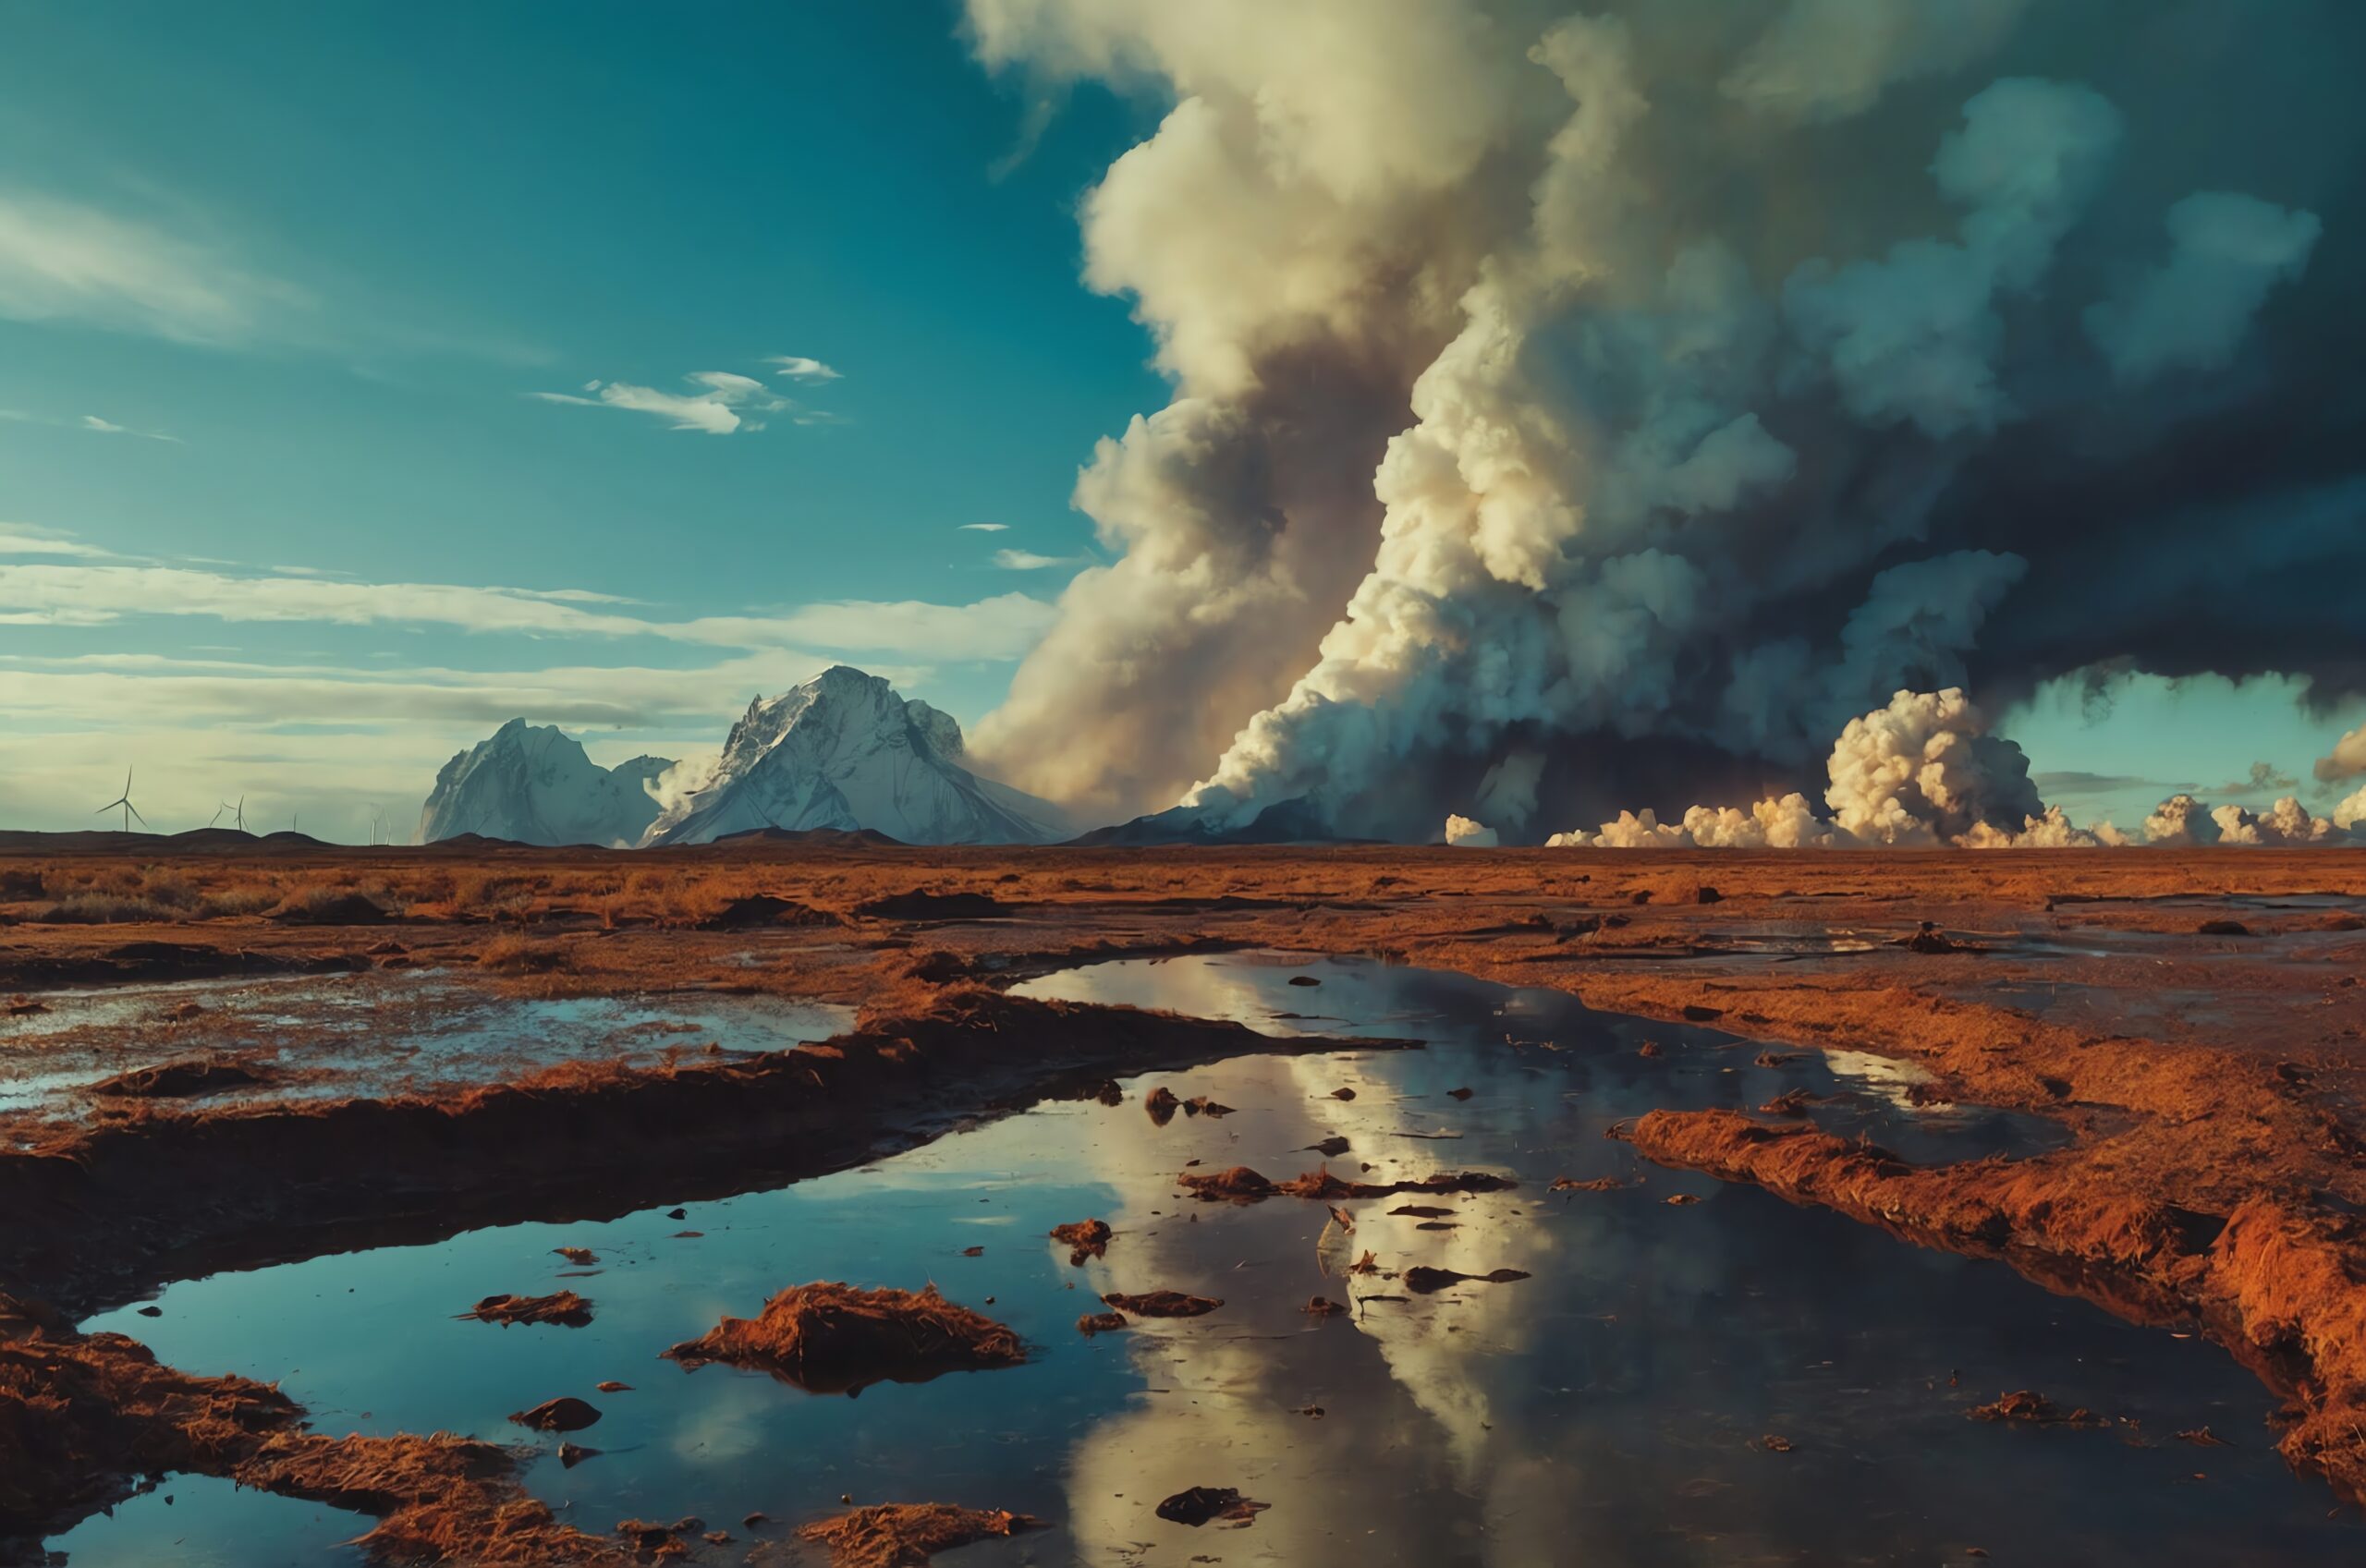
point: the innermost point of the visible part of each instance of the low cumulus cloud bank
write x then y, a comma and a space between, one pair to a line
1926, 772
1578, 408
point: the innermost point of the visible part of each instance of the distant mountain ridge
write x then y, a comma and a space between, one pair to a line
532, 785
843, 752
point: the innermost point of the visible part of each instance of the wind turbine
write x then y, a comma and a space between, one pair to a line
241, 810
123, 801
217, 814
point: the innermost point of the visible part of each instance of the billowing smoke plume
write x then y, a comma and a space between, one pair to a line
1920, 773
1574, 409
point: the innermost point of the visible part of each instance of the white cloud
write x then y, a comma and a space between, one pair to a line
1027, 561
61, 262
720, 408
20, 539
797, 366
985, 527
52, 593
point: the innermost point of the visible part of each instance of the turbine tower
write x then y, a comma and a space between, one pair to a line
239, 812
123, 801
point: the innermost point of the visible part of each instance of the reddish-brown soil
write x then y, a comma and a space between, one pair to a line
906, 1535
2214, 1086
1164, 1304
835, 1339
563, 1307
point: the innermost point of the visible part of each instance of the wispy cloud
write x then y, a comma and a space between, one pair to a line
65, 261
90, 424
985, 527
24, 538
1029, 561
797, 366
727, 402
49, 593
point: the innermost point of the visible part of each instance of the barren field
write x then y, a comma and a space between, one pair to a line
223, 1064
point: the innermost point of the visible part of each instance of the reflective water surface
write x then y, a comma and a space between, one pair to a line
369, 1034
1612, 1408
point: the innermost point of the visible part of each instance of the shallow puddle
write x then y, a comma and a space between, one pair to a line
1614, 1407
367, 1034
199, 1522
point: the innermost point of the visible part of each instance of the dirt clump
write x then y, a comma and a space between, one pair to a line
1330, 1147
1203, 1505
1422, 1211
2034, 1409
1084, 1238
1322, 1306
1242, 1184
581, 1257
906, 1535
830, 1338
920, 904
1164, 1304
1596, 1184
1100, 1323
1202, 1105
563, 1307
1162, 1104
765, 909
1425, 1280
565, 1413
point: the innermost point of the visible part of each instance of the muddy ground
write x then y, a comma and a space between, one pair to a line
2197, 1021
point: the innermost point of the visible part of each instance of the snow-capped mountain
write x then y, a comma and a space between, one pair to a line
536, 786
843, 751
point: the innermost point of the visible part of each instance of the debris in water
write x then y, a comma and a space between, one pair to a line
1422, 1211
1777, 1058
906, 1535
830, 1338
973, 1251
579, 1256
1341, 1218
1304, 980
1679, 1199
1322, 1306
1598, 1184
1201, 1105
1420, 1277
1202, 1505
565, 1413
1162, 1104
1790, 1103
563, 1307
2026, 1405
2202, 1436
613, 1387
571, 1455
1343, 1092
1649, 1048
1085, 1238
1330, 1147
1242, 1184
1458, 1093
1100, 1323
1164, 1304
1774, 1444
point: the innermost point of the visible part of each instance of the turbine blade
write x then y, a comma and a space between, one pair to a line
135, 811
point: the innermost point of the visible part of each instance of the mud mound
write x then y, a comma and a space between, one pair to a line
906, 1535
1200, 1505
563, 1307
178, 1080
923, 906
2031, 1408
1164, 1304
1085, 1238
345, 908
1242, 1184
763, 910
829, 1338
1420, 1277
565, 1414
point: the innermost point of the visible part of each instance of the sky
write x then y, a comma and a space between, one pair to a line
370, 374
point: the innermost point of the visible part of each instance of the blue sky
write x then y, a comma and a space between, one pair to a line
327, 254
346, 402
